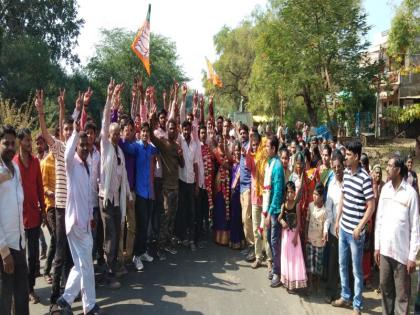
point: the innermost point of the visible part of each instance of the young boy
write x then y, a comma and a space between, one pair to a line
317, 232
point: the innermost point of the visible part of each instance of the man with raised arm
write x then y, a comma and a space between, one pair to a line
172, 158
113, 187
78, 217
62, 257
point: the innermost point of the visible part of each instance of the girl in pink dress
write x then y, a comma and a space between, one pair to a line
293, 271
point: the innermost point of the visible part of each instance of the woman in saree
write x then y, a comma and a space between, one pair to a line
221, 213
237, 238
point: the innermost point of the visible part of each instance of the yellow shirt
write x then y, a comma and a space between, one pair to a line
48, 179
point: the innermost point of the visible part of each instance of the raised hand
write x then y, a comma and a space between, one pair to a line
184, 89
140, 86
39, 101
176, 87
79, 101
195, 98
201, 101
86, 96
111, 87
61, 97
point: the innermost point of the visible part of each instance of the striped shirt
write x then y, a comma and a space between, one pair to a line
357, 190
58, 149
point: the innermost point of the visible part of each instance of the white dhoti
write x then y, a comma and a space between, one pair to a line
81, 277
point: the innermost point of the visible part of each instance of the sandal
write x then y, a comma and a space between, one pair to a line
33, 298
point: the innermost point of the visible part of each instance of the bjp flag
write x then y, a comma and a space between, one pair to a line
141, 44
212, 75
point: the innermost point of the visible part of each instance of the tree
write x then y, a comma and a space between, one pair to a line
235, 48
114, 58
25, 65
310, 49
53, 22
405, 30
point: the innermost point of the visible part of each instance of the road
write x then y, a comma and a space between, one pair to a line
214, 280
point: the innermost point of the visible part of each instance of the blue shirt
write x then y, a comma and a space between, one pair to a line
245, 175
277, 186
143, 154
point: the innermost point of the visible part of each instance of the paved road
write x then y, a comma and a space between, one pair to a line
214, 280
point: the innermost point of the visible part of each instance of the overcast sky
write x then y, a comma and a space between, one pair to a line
191, 24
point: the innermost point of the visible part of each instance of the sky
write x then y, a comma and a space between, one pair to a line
191, 24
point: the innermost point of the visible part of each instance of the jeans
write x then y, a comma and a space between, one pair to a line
186, 225
346, 246
51, 248
14, 286
62, 259
111, 218
395, 284
32, 245
274, 236
144, 208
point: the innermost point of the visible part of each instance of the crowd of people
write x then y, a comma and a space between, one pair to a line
132, 191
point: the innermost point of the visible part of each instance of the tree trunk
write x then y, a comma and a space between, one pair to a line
310, 107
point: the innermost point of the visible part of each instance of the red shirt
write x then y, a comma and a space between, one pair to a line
33, 192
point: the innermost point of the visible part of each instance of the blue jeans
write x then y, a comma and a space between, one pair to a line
274, 237
346, 243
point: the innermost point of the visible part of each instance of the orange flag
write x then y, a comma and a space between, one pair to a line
141, 44
212, 75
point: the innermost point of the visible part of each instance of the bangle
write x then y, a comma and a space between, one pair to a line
41, 113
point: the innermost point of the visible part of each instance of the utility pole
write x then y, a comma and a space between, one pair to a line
380, 60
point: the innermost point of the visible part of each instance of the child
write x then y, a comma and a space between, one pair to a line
293, 272
317, 235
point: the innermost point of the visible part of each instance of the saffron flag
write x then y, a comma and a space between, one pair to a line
212, 75
141, 44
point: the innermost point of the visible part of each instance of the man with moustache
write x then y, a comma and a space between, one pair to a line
13, 269
78, 217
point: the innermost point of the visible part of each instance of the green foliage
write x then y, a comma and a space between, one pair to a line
236, 51
25, 65
315, 47
405, 28
54, 23
297, 50
410, 114
393, 113
114, 58
19, 117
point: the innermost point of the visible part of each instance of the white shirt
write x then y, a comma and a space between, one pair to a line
333, 198
12, 233
94, 162
191, 156
201, 180
78, 207
397, 223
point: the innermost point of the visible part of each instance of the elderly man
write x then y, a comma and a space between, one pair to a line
113, 186
397, 238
